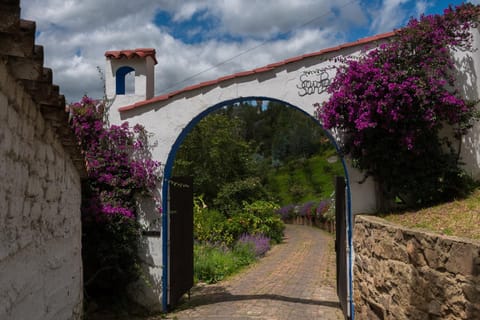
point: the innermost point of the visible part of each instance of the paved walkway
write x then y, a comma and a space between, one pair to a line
295, 280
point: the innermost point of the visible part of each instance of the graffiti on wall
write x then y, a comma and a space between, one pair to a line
314, 81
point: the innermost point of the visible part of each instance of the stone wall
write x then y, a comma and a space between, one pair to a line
401, 273
40, 193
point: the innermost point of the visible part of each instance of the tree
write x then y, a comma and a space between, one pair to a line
215, 153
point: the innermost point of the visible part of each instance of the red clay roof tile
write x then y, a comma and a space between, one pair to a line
138, 52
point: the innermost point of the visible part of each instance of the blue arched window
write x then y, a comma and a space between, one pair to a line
120, 78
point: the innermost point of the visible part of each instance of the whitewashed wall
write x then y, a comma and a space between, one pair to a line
468, 81
40, 228
167, 119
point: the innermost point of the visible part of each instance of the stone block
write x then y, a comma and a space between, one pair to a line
461, 259
415, 253
41, 153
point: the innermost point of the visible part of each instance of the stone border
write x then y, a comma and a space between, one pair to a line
402, 273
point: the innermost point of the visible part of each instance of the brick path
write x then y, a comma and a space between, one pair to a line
296, 280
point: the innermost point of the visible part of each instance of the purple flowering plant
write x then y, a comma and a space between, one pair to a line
390, 104
286, 212
119, 168
117, 160
307, 209
259, 242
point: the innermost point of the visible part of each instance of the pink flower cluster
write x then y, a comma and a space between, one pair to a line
404, 87
117, 160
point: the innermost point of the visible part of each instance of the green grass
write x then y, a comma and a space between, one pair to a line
459, 218
312, 179
213, 264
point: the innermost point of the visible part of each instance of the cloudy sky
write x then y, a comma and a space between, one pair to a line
198, 40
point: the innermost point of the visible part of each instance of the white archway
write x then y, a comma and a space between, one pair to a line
167, 174
298, 82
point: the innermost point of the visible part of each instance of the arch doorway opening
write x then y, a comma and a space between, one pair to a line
254, 105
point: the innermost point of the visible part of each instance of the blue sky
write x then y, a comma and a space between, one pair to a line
202, 36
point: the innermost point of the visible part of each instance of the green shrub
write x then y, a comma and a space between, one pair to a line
109, 251
268, 221
244, 253
212, 264
209, 226
259, 217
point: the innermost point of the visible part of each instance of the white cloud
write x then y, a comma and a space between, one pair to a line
75, 34
421, 7
390, 15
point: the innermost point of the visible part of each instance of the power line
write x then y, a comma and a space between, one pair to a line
252, 48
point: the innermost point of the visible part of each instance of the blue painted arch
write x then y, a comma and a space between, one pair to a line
167, 174
120, 78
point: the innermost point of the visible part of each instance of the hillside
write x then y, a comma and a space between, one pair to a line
459, 218
301, 180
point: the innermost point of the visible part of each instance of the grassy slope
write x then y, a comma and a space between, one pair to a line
459, 218
314, 177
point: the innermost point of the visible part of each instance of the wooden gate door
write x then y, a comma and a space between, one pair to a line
341, 244
180, 269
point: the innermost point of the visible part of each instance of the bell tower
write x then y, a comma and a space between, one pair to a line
141, 62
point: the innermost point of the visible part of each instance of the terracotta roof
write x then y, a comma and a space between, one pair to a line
257, 70
132, 53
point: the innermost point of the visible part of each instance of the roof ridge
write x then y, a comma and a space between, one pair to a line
266, 68
132, 53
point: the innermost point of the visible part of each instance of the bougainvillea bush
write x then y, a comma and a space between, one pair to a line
119, 169
392, 104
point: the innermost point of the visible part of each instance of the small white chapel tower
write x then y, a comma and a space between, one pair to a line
119, 64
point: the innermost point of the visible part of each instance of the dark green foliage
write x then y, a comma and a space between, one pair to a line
109, 250
257, 218
280, 133
238, 154
416, 181
215, 153
209, 226
232, 195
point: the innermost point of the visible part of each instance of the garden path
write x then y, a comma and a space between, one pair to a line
295, 280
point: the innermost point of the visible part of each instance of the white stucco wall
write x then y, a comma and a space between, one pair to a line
144, 81
468, 82
167, 119
40, 228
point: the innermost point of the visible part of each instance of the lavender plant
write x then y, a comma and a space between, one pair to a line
259, 243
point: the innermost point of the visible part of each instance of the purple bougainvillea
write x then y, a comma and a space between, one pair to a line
391, 104
116, 158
